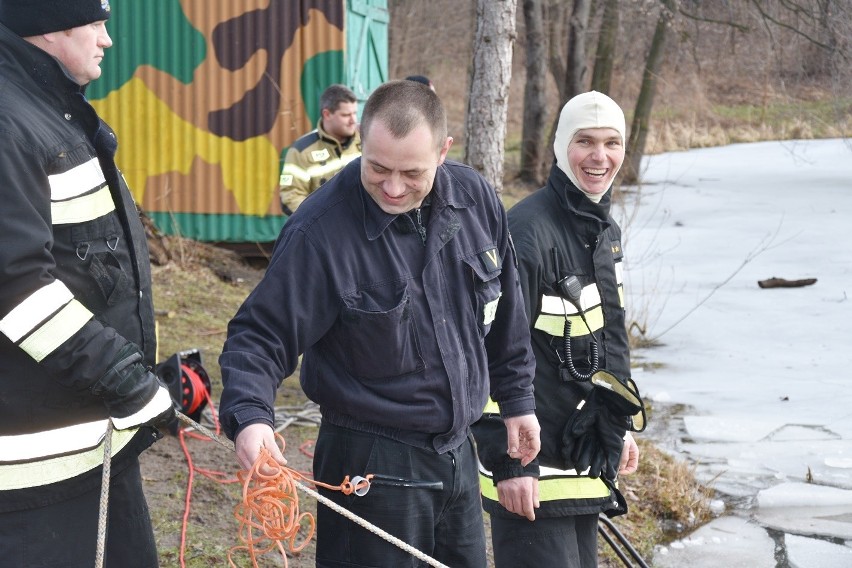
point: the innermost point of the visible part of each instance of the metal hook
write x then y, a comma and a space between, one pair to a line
85, 253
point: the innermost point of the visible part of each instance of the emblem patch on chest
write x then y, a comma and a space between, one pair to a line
490, 259
320, 155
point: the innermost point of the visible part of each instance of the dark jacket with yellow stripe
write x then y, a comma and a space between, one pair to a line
559, 232
75, 283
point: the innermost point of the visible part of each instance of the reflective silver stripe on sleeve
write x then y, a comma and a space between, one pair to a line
27, 315
76, 181
82, 209
55, 331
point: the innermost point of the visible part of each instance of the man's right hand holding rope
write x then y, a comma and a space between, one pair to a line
251, 439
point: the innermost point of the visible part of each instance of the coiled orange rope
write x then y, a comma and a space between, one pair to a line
347, 487
269, 514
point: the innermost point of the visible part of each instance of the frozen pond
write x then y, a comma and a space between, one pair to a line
757, 382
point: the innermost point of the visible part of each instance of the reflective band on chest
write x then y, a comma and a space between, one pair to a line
82, 209
76, 181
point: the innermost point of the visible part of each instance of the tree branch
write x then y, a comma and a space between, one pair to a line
793, 29
697, 18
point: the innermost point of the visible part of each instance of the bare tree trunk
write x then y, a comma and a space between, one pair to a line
605, 53
642, 114
576, 70
556, 16
575, 76
488, 102
535, 97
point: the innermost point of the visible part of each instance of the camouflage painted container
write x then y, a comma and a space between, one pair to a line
206, 96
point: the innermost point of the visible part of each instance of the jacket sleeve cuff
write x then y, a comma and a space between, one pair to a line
517, 406
513, 468
245, 417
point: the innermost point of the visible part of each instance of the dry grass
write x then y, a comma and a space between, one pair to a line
664, 500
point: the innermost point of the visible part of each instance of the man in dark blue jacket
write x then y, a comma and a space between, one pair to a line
397, 281
76, 320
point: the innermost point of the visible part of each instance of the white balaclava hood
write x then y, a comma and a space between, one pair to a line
587, 110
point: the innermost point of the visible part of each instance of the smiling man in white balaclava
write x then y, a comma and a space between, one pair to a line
578, 156
569, 254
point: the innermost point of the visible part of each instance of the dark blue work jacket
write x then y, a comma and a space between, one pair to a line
402, 337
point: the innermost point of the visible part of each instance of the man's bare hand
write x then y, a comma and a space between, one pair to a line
629, 462
524, 437
249, 442
519, 495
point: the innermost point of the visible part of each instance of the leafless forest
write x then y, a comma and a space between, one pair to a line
727, 70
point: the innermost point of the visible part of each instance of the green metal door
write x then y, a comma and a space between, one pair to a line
366, 46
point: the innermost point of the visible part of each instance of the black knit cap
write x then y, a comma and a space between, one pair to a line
35, 17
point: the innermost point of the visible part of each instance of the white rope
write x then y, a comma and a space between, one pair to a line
325, 501
306, 415
104, 502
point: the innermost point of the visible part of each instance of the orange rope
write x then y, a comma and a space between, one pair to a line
270, 506
218, 476
270, 503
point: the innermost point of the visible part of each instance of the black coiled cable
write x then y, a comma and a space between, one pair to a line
569, 360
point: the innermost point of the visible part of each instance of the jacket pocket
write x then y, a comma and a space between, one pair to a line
487, 289
379, 334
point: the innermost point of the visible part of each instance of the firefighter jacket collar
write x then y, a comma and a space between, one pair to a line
576, 203
47, 71
332, 140
445, 192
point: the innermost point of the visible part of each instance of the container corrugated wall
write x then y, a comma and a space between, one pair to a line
206, 95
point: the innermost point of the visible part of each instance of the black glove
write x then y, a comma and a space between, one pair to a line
594, 438
610, 430
579, 440
133, 395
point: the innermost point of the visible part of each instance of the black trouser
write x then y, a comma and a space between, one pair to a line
444, 524
560, 542
65, 534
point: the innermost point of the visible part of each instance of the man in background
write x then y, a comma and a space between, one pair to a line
76, 319
315, 157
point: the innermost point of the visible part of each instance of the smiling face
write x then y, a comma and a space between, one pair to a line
80, 49
595, 155
398, 172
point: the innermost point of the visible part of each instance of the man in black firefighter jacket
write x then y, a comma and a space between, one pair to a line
76, 320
